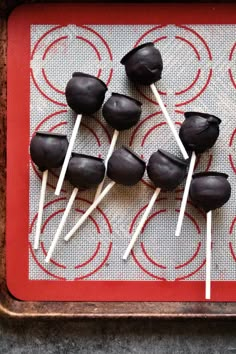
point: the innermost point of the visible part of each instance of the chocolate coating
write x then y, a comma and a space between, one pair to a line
125, 167
121, 112
143, 64
165, 170
85, 171
210, 190
48, 150
199, 131
85, 93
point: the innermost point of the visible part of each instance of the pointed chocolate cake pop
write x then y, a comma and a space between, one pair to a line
199, 131
85, 171
48, 150
121, 112
85, 93
165, 170
210, 190
143, 64
125, 167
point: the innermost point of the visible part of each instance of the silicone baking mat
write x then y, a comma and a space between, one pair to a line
199, 75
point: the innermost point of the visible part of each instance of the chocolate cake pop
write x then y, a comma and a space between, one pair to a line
198, 133
143, 65
84, 94
166, 171
83, 172
121, 112
209, 191
47, 151
124, 167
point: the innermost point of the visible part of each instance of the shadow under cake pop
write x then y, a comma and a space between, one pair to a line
198, 133
47, 151
124, 167
143, 64
84, 172
121, 112
166, 171
209, 191
84, 95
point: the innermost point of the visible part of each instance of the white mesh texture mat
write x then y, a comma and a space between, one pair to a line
199, 74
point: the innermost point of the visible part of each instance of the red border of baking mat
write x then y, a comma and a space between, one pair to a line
18, 94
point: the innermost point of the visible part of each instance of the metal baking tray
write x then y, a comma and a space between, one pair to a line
9, 306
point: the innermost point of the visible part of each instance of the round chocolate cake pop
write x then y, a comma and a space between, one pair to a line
85, 171
165, 170
85, 93
199, 131
143, 64
121, 112
210, 190
48, 150
125, 167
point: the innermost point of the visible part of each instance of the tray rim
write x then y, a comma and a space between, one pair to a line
11, 307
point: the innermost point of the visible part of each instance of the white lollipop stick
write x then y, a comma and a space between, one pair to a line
208, 257
185, 195
169, 121
142, 222
68, 155
110, 151
89, 210
61, 225
40, 212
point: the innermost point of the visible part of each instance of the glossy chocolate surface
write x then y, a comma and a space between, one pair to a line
48, 150
210, 190
199, 131
85, 171
125, 167
85, 93
165, 170
121, 112
143, 64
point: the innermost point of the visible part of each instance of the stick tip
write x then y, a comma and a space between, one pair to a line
66, 238
47, 259
125, 256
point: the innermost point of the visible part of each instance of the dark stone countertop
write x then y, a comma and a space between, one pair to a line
117, 336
